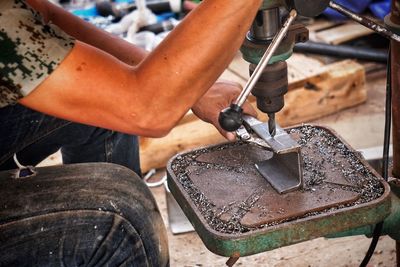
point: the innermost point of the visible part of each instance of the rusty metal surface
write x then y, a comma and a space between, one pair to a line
395, 51
393, 20
234, 209
230, 181
396, 107
294, 205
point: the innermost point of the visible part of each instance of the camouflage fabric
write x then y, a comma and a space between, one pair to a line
30, 50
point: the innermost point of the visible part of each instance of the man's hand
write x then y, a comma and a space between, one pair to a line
218, 97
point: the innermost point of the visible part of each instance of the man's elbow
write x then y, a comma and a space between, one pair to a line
153, 128
156, 132
153, 120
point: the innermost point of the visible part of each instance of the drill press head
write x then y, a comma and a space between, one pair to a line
267, 46
273, 82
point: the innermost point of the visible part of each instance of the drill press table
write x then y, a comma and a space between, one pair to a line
237, 213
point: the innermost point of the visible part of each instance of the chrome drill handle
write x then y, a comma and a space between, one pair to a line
230, 118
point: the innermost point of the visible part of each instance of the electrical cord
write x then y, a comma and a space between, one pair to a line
385, 168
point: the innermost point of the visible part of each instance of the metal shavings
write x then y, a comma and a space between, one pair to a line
322, 152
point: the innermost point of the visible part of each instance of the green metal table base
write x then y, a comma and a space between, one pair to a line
272, 235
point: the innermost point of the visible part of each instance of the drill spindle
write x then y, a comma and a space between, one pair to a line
265, 59
230, 118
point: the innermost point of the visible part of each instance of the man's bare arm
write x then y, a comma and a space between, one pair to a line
90, 34
92, 87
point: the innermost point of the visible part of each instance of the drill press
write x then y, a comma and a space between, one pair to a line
273, 82
267, 46
237, 214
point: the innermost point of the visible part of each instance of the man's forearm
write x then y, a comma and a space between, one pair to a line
92, 87
92, 35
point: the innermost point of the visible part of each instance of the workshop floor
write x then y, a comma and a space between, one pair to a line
362, 127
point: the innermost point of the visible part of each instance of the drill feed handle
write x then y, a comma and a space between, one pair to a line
230, 118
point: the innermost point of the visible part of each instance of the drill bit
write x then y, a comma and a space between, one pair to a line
271, 124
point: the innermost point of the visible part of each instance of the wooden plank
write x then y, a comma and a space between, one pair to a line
320, 25
154, 153
342, 86
338, 86
343, 33
301, 68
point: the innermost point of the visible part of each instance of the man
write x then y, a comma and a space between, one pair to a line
56, 64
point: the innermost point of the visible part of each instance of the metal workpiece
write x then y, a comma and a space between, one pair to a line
280, 143
283, 170
372, 25
236, 213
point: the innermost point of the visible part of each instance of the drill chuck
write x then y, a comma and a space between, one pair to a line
271, 87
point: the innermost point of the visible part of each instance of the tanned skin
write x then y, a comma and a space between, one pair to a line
107, 82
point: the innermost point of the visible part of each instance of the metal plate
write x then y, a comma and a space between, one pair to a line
235, 211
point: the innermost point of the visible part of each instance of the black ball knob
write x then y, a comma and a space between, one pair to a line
231, 118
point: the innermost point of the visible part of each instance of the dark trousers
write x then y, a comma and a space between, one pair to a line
74, 215
34, 136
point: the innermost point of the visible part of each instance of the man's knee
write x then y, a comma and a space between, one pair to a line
77, 238
91, 212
